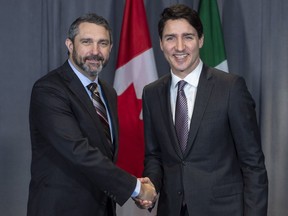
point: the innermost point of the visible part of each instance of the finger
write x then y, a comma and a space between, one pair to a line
146, 180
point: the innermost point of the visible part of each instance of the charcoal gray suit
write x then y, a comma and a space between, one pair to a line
222, 171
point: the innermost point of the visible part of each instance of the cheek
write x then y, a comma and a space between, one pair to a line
79, 51
167, 50
105, 53
194, 49
167, 55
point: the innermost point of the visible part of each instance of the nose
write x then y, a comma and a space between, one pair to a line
95, 48
180, 45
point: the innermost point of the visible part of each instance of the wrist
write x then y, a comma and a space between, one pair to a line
137, 190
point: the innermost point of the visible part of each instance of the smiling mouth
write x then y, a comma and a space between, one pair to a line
180, 57
93, 61
94, 58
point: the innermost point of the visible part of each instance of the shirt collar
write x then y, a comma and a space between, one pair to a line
192, 78
84, 80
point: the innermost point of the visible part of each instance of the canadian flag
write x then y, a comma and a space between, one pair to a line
135, 68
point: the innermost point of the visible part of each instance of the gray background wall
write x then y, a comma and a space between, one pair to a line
32, 43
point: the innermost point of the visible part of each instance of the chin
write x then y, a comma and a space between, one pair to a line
93, 73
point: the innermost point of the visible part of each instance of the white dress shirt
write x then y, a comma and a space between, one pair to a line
190, 90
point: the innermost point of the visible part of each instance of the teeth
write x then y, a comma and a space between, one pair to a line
180, 56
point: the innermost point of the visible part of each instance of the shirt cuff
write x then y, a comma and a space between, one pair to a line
137, 189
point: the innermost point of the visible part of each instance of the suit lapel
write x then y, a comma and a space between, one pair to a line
79, 91
166, 108
112, 109
77, 88
202, 97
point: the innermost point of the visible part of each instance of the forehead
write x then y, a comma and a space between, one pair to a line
179, 26
92, 30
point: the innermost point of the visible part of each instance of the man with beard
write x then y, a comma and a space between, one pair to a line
74, 133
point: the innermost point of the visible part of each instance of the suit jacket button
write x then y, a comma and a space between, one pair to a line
179, 193
183, 163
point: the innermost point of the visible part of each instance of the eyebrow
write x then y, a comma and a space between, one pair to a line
169, 35
86, 38
99, 41
184, 34
104, 40
187, 34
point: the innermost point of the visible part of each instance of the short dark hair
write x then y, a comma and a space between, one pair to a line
180, 11
90, 18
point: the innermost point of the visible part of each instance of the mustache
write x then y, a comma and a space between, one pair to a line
94, 57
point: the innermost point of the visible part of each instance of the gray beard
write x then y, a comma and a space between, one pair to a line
86, 68
89, 72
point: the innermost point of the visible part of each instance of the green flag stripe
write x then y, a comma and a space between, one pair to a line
213, 52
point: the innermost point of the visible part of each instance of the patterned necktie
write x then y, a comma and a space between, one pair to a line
101, 110
181, 116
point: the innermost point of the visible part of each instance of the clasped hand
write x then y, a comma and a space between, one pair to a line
147, 196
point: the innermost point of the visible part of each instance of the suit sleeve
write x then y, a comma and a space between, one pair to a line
56, 122
243, 123
153, 164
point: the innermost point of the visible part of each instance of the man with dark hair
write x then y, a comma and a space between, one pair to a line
74, 133
203, 149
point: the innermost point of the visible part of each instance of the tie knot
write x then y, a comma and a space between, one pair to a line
181, 85
93, 87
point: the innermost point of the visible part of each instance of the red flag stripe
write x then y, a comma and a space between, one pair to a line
135, 33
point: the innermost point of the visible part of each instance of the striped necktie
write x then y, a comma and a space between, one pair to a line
101, 110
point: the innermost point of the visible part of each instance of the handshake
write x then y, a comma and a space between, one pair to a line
147, 196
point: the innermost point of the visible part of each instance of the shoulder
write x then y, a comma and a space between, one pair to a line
221, 77
56, 77
159, 83
55, 83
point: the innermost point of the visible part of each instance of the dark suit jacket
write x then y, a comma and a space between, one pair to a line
222, 172
73, 170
